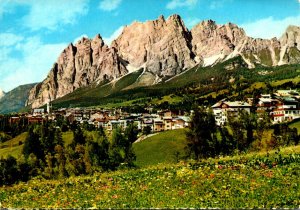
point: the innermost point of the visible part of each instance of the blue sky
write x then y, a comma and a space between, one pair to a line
34, 32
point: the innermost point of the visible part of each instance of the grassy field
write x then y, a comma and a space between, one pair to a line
256, 85
252, 181
157, 149
13, 147
295, 124
281, 82
67, 137
160, 148
168, 98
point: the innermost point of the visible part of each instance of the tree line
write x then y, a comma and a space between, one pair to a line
245, 132
46, 154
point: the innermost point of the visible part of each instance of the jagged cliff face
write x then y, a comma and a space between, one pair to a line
290, 44
212, 42
216, 43
164, 48
88, 62
259, 51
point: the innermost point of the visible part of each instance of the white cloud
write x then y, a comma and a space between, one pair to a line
173, 4
80, 37
52, 14
191, 22
4, 7
33, 61
8, 39
109, 5
113, 36
269, 27
216, 4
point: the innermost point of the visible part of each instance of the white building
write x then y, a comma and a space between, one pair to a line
38, 112
223, 109
287, 93
286, 110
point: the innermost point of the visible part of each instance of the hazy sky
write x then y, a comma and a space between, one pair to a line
34, 32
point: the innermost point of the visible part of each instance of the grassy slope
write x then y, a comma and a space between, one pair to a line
160, 148
281, 82
12, 146
295, 124
232, 182
168, 98
67, 137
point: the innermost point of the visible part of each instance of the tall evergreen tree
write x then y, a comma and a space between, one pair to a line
131, 132
33, 144
201, 135
78, 137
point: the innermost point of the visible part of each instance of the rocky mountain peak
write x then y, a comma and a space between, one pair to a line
98, 38
97, 46
175, 18
82, 40
163, 48
290, 45
292, 28
291, 37
207, 24
70, 47
160, 46
214, 42
2, 93
86, 63
161, 18
231, 25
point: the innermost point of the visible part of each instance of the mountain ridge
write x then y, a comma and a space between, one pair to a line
2, 93
15, 99
164, 48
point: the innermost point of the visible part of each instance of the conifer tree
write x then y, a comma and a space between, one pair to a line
201, 136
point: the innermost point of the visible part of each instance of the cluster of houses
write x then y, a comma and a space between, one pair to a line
110, 119
282, 106
160, 121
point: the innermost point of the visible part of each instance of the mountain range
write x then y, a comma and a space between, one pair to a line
161, 49
15, 99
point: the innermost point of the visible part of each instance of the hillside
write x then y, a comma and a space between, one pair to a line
252, 181
165, 147
94, 95
295, 124
13, 146
15, 99
194, 83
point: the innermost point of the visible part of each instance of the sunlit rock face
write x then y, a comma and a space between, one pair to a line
163, 48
